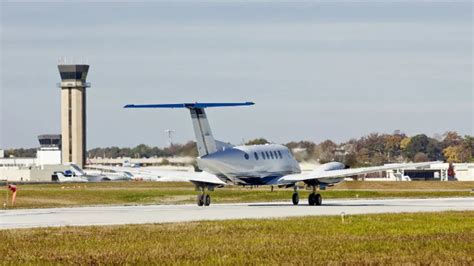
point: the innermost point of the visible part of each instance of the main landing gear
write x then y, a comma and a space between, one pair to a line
296, 197
313, 198
203, 199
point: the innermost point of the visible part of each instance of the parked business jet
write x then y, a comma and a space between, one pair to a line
269, 164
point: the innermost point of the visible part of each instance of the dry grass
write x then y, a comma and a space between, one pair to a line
413, 185
423, 238
132, 193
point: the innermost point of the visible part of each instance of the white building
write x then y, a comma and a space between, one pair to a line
39, 169
436, 172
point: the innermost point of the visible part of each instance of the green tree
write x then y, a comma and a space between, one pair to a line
434, 150
350, 160
21, 153
125, 152
259, 141
141, 150
469, 144
417, 144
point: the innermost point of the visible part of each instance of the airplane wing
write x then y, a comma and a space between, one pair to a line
336, 176
168, 175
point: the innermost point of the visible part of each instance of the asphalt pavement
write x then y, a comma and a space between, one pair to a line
115, 215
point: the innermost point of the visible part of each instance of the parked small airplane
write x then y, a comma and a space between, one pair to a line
67, 176
76, 174
127, 163
269, 164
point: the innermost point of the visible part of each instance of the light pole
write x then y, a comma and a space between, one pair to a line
170, 133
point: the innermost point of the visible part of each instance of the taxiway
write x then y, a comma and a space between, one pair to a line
115, 215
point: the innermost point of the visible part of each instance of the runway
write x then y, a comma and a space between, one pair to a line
115, 215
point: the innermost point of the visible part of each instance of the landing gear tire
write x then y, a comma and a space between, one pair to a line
207, 199
295, 198
200, 200
318, 199
311, 199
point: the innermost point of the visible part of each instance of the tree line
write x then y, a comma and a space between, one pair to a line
373, 149
377, 149
145, 151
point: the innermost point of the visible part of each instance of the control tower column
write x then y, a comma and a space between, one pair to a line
73, 113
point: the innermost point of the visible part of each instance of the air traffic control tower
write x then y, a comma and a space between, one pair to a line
73, 113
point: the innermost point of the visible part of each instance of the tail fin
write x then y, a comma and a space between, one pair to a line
205, 140
76, 169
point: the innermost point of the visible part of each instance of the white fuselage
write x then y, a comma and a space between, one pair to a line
254, 165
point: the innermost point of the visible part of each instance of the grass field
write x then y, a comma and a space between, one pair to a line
131, 193
421, 238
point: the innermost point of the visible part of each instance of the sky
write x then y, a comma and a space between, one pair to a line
316, 70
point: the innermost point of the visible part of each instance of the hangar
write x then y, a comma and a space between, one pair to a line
436, 172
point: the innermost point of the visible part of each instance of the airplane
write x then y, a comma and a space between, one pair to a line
67, 177
127, 163
269, 164
76, 174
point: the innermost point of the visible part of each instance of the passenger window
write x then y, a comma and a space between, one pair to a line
279, 154
271, 154
276, 155
256, 155
268, 155
263, 155
246, 156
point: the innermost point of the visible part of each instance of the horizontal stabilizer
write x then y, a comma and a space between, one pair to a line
187, 105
